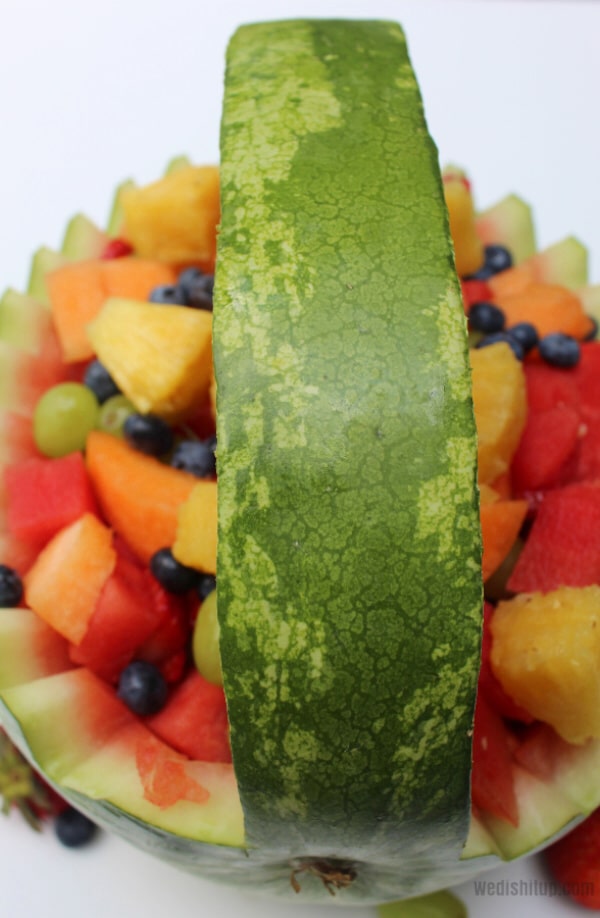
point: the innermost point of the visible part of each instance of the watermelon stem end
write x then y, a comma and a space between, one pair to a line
333, 874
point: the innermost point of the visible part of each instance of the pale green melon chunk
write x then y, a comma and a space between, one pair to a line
509, 222
83, 239
65, 718
111, 774
30, 648
23, 320
43, 261
543, 811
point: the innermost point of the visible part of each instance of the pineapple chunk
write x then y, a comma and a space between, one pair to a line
468, 247
175, 219
500, 404
159, 356
546, 654
196, 541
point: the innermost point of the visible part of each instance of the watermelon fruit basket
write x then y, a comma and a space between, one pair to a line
401, 690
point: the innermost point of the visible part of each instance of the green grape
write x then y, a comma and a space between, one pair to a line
205, 643
63, 417
113, 414
443, 904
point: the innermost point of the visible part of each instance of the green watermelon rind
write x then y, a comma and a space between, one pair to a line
347, 454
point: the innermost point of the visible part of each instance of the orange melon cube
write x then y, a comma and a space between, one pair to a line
175, 218
500, 405
564, 263
196, 541
501, 521
139, 495
66, 579
546, 655
549, 307
78, 290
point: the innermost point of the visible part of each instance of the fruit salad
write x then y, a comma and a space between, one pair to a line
142, 619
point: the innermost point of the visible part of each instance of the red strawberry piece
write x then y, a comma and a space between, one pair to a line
116, 248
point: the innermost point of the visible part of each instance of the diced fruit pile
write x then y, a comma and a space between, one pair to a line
109, 485
109, 476
536, 376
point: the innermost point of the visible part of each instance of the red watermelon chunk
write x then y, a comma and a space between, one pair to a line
45, 495
563, 546
584, 464
167, 646
550, 387
540, 751
194, 720
586, 376
549, 439
16, 553
17, 443
492, 781
124, 617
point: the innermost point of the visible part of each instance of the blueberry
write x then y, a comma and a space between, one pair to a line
168, 295
148, 433
197, 288
486, 317
173, 576
505, 336
73, 829
526, 334
11, 587
560, 350
188, 276
206, 584
98, 379
196, 456
143, 688
496, 258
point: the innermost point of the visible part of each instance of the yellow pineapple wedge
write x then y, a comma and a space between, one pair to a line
160, 356
500, 403
175, 218
546, 654
468, 247
196, 540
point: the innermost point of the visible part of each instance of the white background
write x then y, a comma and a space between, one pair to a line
92, 94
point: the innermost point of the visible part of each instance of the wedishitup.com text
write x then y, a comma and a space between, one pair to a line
531, 888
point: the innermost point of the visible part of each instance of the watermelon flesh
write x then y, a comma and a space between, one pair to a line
184, 800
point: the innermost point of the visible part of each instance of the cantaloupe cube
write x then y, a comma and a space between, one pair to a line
500, 404
549, 307
501, 521
139, 495
77, 292
546, 654
196, 541
175, 219
160, 356
65, 581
